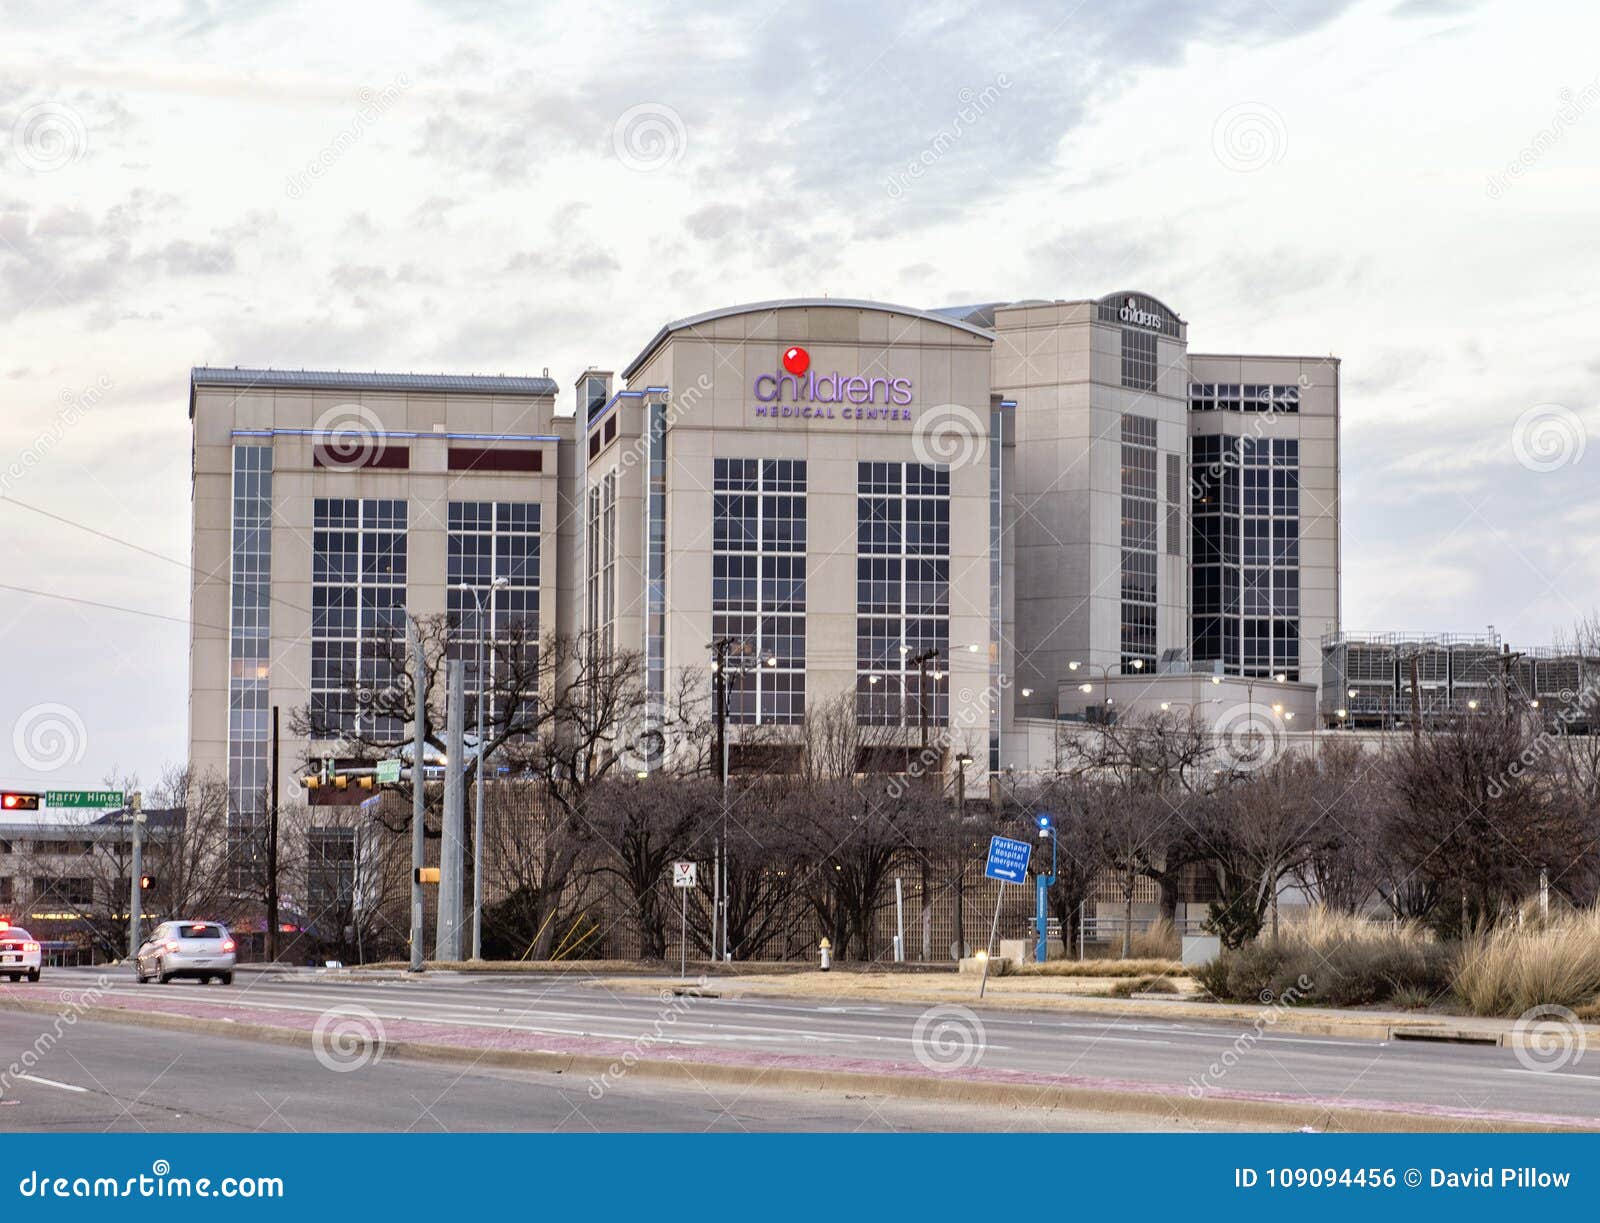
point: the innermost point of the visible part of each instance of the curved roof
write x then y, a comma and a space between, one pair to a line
797, 303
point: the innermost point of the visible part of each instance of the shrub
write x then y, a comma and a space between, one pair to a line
1514, 968
1331, 959
1127, 987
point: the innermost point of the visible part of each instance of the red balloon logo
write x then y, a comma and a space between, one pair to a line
796, 361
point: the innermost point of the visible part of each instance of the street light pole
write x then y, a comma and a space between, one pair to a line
477, 814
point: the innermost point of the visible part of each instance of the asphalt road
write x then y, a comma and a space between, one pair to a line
1181, 1054
113, 1077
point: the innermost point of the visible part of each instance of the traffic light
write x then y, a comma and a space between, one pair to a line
146, 882
12, 800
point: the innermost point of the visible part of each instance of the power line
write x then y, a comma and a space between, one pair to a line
116, 607
127, 543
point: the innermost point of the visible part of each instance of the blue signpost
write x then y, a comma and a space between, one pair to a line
1008, 862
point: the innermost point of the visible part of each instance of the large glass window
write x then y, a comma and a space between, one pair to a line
1245, 553
1138, 359
358, 607
601, 552
488, 541
1138, 541
902, 592
758, 586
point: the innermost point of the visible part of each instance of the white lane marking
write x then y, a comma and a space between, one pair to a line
33, 1078
1555, 1074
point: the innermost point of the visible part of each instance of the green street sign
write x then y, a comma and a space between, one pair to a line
84, 798
388, 772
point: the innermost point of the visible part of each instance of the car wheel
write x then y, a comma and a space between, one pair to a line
34, 975
162, 975
15, 977
226, 978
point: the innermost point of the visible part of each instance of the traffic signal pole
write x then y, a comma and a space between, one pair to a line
136, 810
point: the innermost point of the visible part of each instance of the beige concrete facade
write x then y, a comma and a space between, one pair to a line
290, 414
1027, 405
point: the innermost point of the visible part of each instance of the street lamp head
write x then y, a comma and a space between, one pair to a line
972, 648
1165, 705
1073, 666
1341, 713
1085, 687
1029, 692
1351, 693
500, 583
1216, 679
1137, 664
1280, 677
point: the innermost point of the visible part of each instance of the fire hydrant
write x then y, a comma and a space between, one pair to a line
825, 949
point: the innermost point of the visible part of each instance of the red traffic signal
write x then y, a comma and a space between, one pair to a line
144, 883
11, 800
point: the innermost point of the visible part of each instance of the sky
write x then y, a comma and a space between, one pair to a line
484, 187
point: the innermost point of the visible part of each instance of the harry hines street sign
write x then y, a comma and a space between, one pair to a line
1008, 859
84, 798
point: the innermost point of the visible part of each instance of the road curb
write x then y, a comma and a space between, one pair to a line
1375, 1027
604, 1070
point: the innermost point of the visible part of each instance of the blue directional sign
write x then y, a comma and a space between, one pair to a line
1008, 859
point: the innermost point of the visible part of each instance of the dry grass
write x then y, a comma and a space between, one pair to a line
1326, 958
1511, 969
1160, 941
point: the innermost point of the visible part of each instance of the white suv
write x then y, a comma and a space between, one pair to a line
200, 949
19, 953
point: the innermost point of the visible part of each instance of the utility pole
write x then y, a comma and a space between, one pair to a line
136, 810
1416, 698
447, 939
272, 849
921, 662
419, 701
